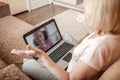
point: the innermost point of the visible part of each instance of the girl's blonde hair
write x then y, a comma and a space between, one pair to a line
104, 15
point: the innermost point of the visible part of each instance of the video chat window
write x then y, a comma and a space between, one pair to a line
45, 37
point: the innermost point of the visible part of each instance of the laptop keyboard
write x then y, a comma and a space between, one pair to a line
60, 51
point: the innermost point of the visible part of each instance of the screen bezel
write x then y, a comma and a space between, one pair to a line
40, 27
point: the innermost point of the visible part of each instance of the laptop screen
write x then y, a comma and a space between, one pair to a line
44, 37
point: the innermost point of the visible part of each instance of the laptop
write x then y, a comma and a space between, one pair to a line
48, 38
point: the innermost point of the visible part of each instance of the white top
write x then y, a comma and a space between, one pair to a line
97, 51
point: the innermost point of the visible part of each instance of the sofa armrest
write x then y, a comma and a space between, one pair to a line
12, 72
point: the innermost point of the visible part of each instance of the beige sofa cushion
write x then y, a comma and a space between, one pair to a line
112, 73
11, 36
12, 72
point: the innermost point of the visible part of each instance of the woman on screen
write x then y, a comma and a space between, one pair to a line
41, 40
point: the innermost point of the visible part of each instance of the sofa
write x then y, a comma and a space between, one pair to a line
11, 37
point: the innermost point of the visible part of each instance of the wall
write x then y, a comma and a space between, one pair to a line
16, 6
33, 4
4, 0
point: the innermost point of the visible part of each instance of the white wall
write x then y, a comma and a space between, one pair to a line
4, 0
33, 4
17, 6
69, 1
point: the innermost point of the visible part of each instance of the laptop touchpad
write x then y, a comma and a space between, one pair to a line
68, 57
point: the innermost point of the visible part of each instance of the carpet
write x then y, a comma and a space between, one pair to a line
68, 24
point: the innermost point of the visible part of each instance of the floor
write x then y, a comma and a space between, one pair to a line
40, 14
